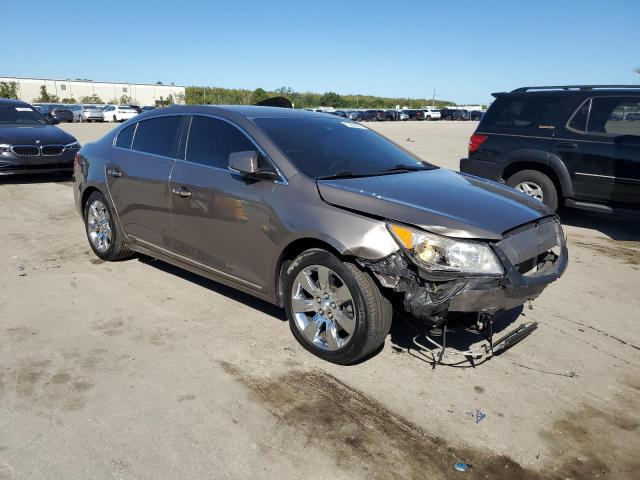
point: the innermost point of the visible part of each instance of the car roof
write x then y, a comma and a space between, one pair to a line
247, 111
8, 102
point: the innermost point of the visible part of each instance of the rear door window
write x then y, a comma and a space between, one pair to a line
158, 136
615, 116
126, 136
211, 141
519, 111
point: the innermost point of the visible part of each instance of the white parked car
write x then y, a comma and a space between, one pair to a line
431, 113
118, 113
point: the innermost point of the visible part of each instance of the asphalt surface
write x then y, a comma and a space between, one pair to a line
138, 370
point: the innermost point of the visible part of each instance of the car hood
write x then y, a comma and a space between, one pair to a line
29, 135
439, 201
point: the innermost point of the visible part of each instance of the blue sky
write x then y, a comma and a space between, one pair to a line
464, 50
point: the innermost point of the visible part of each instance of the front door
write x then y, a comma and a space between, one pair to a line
138, 178
220, 220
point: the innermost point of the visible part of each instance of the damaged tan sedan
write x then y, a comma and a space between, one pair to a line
317, 214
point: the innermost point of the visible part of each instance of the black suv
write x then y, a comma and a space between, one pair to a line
577, 146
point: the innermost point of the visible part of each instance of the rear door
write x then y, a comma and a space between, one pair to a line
138, 178
220, 220
601, 148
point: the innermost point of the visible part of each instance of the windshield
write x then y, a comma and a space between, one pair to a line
12, 115
325, 147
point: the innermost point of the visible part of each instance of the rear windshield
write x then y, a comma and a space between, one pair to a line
519, 111
322, 147
21, 115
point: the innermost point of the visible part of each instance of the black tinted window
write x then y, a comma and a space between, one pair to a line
125, 137
615, 116
579, 119
211, 141
519, 111
322, 147
158, 136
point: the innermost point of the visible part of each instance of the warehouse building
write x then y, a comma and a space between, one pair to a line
29, 89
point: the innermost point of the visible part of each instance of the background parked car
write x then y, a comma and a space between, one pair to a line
411, 113
428, 114
355, 115
118, 113
373, 116
396, 115
476, 115
136, 108
62, 113
563, 145
146, 108
454, 114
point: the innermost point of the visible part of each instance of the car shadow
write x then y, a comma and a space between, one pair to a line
64, 179
616, 226
405, 329
229, 292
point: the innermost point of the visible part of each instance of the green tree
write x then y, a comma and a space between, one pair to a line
331, 99
9, 90
69, 100
258, 95
125, 100
92, 99
45, 96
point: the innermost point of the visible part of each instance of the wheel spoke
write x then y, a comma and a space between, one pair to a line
323, 278
341, 295
302, 305
347, 323
310, 330
309, 284
331, 335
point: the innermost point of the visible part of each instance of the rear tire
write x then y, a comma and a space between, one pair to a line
103, 232
368, 312
537, 185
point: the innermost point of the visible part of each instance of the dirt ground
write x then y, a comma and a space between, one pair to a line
138, 370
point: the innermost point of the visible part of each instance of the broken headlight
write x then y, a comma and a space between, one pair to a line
435, 252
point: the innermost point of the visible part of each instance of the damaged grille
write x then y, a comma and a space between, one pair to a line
526, 246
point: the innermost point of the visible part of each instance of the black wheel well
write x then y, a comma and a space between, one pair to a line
518, 166
85, 196
290, 252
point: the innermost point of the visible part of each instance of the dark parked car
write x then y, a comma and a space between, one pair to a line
373, 116
30, 143
562, 145
411, 113
136, 108
316, 214
396, 115
476, 115
147, 108
60, 112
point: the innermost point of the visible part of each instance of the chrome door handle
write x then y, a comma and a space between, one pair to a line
181, 192
114, 172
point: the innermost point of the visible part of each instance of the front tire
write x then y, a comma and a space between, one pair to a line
537, 185
103, 232
335, 309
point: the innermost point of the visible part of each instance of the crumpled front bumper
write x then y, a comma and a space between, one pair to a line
532, 257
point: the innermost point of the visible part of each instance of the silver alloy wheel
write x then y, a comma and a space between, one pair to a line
323, 307
99, 226
532, 189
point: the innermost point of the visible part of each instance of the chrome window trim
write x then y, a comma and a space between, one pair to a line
575, 112
545, 138
613, 177
283, 180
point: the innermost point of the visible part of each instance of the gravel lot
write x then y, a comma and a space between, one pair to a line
138, 370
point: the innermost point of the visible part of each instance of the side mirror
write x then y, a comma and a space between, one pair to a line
246, 164
54, 121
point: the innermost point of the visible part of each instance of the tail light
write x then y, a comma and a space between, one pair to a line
475, 141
